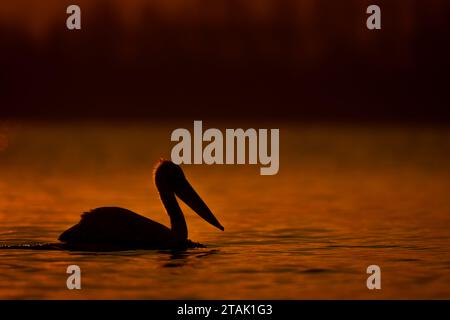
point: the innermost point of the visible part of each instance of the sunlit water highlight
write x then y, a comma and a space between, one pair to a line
346, 197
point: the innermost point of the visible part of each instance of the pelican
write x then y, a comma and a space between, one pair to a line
113, 227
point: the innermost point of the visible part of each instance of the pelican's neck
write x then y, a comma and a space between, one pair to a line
177, 221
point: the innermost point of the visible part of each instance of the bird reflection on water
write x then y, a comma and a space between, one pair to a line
181, 258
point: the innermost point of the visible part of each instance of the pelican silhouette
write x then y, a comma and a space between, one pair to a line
112, 227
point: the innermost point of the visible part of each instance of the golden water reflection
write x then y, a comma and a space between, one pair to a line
346, 197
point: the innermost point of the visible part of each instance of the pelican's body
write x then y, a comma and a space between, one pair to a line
112, 227
119, 227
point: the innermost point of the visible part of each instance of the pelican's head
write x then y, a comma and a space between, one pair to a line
170, 177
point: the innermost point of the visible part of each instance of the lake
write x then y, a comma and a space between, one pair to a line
346, 197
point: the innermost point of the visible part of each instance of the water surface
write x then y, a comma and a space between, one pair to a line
346, 197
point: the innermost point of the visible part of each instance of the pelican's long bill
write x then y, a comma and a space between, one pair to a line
188, 195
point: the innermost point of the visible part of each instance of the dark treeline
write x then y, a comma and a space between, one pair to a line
298, 62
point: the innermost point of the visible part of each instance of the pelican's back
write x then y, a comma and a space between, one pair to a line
113, 225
